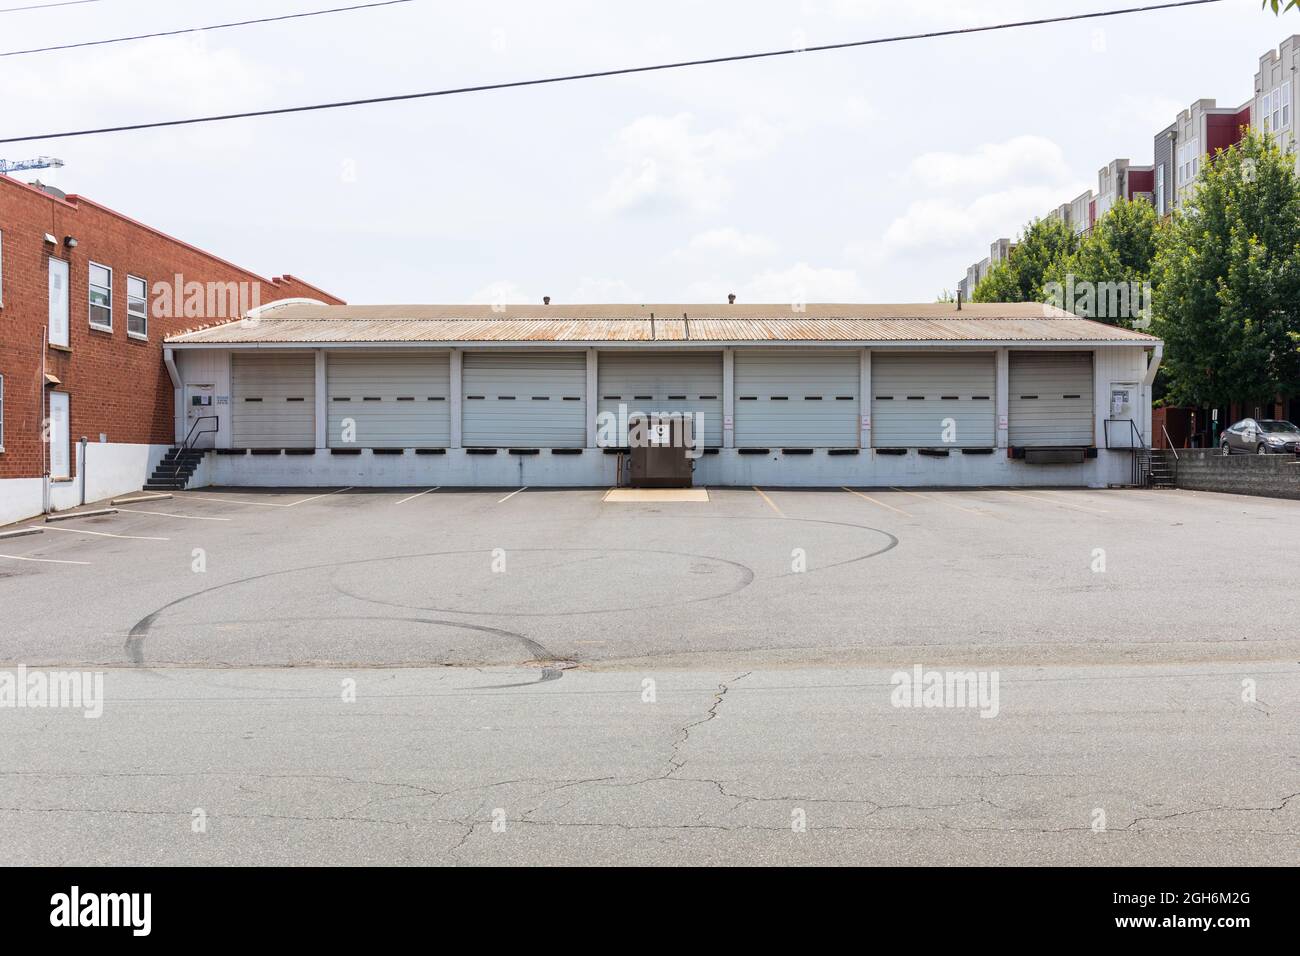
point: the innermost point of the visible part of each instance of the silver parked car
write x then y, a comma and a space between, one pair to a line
1260, 436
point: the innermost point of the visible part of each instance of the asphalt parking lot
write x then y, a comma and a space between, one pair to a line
657, 681
249, 577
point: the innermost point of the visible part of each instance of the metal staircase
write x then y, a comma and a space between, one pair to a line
179, 464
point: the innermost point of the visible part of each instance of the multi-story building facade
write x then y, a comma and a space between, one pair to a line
87, 296
1083, 212
1201, 131
1162, 149
1276, 91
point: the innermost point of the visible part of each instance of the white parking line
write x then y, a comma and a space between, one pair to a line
512, 494
303, 501
16, 557
105, 534
416, 495
237, 501
168, 514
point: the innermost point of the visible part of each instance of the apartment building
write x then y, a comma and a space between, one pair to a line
1276, 92
1200, 131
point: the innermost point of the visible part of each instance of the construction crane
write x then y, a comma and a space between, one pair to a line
40, 162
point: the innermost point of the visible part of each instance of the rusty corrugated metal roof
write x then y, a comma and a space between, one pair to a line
929, 322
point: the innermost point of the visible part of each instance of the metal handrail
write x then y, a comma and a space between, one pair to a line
1134, 430
192, 437
1170, 442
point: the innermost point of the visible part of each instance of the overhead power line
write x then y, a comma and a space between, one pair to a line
625, 71
42, 6
215, 26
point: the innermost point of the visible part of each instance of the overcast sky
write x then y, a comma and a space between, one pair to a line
873, 174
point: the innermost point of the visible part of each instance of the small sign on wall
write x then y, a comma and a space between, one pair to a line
223, 399
866, 423
727, 422
1002, 422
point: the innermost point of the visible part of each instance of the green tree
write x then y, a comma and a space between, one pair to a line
1108, 277
1020, 277
1278, 7
1227, 280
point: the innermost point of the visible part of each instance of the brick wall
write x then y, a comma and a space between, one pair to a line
118, 384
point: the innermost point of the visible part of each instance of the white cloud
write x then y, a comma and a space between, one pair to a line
799, 283
592, 289
727, 241
669, 165
502, 292
1033, 159
947, 224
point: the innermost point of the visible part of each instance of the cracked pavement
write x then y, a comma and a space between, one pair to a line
438, 766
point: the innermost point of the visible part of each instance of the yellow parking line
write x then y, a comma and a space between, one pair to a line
875, 502
1051, 501
771, 503
941, 501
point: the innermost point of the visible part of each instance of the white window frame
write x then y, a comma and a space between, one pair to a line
1160, 189
66, 339
1285, 90
90, 301
143, 315
1267, 112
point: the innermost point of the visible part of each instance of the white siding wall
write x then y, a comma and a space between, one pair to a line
797, 397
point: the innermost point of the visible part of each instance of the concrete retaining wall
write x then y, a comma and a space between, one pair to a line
593, 468
1272, 476
111, 468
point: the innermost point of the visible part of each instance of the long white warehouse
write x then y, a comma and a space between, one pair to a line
817, 395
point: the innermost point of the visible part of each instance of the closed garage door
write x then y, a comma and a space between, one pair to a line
524, 399
392, 400
275, 401
663, 383
793, 397
1050, 399
932, 400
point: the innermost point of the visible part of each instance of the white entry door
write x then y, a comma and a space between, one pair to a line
60, 443
200, 420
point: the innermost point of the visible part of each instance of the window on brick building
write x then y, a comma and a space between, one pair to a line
58, 316
137, 307
101, 297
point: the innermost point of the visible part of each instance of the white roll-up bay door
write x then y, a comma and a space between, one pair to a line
1050, 399
524, 399
932, 399
797, 397
649, 383
391, 399
274, 399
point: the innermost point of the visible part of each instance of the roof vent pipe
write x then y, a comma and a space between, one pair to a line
546, 300
731, 298
959, 300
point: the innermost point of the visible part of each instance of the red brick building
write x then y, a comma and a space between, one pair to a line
87, 296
